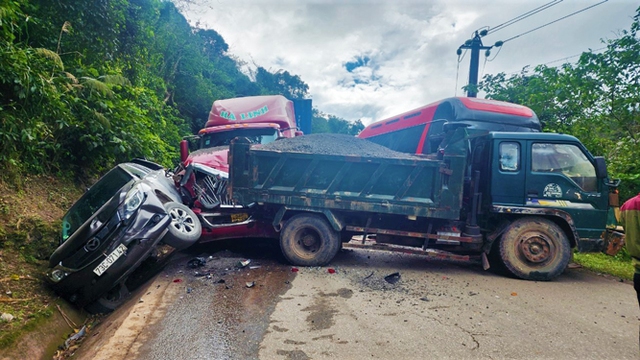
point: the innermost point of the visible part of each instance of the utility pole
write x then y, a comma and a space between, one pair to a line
475, 45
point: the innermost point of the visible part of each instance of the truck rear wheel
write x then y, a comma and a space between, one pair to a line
309, 240
535, 248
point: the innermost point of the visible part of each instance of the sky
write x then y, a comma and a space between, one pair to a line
372, 59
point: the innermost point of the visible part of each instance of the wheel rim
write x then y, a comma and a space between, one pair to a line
536, 248
182, 221
308, 242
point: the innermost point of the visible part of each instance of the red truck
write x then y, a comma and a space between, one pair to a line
203, 175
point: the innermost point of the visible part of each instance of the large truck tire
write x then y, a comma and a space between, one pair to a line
185, 228
309, 240
535, 248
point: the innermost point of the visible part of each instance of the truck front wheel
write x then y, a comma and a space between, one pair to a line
309, 240
535, 248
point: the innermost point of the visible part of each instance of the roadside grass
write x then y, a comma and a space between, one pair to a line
30, 212
619, 266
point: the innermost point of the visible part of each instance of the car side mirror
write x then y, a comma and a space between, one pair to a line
601, 168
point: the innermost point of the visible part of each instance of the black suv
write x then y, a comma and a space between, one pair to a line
117, 224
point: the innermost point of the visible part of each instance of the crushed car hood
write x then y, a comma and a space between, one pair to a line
215, 157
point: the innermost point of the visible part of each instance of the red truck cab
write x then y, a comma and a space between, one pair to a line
203, 174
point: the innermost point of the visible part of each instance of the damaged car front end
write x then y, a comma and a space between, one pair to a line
113, 228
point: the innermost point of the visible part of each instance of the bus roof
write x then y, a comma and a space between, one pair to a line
253, 109
480, 113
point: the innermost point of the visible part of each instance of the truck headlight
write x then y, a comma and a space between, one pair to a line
132, 202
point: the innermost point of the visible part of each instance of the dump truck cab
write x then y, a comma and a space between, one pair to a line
545, 174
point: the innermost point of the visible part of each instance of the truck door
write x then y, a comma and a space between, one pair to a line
563, 176
508, 173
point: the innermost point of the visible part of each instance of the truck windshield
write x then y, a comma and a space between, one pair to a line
256, 136
566, 159
98, 195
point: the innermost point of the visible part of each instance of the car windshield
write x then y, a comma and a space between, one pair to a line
256, 136
98, 195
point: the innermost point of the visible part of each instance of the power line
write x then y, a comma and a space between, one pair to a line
558, 60
523, 16
555, 21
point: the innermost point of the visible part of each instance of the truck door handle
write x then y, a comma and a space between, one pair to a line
532, 193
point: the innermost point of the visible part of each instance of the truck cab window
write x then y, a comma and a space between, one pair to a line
509, 156
256, 136
566, 159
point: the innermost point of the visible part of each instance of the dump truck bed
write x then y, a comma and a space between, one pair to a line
392, 183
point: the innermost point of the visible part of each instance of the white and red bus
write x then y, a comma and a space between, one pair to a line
421, 130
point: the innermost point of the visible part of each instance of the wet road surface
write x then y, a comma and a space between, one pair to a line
433, 310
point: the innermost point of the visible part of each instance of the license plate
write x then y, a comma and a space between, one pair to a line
239, 217
111, 258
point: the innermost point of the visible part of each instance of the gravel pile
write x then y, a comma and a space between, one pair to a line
334, 144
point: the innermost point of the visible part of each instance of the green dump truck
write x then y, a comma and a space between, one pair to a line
526, 198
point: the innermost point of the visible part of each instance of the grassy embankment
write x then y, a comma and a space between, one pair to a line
619, 266
30, 212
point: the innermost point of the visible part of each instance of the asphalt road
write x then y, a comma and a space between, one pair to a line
434, 310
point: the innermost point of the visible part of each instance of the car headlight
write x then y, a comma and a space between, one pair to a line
58, 273
132, 202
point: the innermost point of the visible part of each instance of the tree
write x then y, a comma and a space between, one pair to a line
597, 100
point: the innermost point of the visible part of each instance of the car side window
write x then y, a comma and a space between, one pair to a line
509, 156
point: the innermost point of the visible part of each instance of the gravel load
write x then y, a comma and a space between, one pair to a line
334, 144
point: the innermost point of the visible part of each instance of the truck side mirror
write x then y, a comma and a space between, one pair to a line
601, 168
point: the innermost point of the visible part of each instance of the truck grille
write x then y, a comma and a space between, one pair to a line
211, 191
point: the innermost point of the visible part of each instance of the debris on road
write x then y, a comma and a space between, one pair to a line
254, 267
331, 270
294, 269
514, 294
250, 284
7, 317
197, 262
75, 337
392, 278
243, 263
177, 281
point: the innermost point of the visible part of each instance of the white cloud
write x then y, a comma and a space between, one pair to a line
410, 45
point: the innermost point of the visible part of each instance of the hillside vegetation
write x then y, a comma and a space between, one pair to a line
86, 84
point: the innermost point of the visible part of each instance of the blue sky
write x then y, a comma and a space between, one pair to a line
373, 59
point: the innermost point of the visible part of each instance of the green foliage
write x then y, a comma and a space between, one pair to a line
86, 84
595, 99
323, 123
